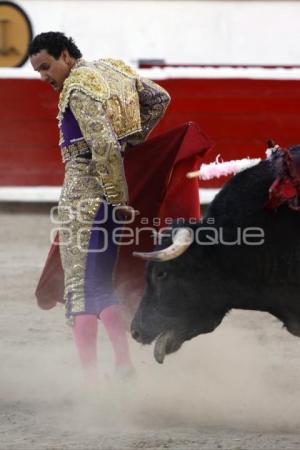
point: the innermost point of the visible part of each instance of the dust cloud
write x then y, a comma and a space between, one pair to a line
237, 386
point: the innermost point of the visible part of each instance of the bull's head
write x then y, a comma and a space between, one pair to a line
191, 285
170, 312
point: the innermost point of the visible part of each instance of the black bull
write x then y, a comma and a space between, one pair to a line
245, 256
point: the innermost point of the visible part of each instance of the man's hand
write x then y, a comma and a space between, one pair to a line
126, 212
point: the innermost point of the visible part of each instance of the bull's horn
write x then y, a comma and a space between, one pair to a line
183, 238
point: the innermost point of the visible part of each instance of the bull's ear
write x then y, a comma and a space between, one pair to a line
182, 239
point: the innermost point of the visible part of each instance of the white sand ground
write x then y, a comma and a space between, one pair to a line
238, 388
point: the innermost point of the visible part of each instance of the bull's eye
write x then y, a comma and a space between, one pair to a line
161, 274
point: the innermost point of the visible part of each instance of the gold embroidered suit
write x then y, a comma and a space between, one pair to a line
103, 106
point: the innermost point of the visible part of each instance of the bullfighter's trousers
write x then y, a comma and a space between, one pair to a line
88, 252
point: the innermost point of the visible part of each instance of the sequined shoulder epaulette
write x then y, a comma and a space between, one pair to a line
84, 79
120, 66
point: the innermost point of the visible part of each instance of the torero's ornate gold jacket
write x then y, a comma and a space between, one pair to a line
103, 106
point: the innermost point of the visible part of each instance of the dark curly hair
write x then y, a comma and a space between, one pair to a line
54, 42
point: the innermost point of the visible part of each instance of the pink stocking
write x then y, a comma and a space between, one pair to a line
85, 337
114, 324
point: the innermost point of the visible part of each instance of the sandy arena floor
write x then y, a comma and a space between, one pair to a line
238, 388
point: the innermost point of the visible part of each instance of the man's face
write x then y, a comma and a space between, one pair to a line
53, 71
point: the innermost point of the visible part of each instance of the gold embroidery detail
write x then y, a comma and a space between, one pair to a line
74, 150
85, 79
122, 67
80, 199
113, 84
103, 144
154, 101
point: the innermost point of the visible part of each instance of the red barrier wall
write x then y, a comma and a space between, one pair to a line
239, 115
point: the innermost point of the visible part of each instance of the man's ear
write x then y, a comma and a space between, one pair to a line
66, 56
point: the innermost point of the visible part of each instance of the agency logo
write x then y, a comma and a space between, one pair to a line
15, 35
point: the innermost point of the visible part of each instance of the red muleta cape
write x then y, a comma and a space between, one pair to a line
158, 188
